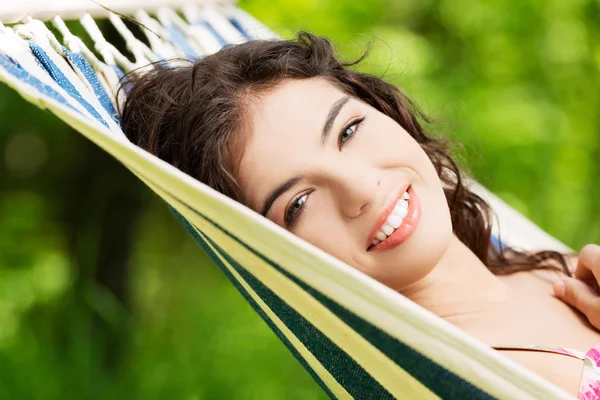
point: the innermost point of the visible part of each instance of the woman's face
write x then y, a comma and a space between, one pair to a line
333, 170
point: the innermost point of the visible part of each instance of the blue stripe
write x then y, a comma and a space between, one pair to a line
241, 28
119, 71
86, 69
497, 243
212, 30
20, 73
62, 80
179, 40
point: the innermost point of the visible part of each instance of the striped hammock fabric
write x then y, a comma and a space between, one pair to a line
356, 337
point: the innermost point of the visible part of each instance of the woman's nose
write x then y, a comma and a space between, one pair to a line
355, 190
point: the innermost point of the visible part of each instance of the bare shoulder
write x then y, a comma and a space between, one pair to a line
563, 371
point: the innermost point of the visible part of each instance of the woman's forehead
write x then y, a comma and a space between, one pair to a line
291, 114
295, 99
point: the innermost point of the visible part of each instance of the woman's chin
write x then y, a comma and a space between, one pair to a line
418, 255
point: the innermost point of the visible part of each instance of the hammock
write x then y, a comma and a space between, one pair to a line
357, 338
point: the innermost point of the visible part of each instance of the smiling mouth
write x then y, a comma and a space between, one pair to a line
398, 224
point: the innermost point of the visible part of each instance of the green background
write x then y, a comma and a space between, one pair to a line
104, 295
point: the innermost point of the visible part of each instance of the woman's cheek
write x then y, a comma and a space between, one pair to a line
326, 237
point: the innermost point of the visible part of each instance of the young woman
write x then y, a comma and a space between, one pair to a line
341, 159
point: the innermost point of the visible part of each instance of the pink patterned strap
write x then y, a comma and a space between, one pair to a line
593, 355
546, 349
589, 388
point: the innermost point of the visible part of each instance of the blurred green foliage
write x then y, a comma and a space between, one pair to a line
104, 295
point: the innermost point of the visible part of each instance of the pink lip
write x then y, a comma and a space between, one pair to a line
385, 213
408, 226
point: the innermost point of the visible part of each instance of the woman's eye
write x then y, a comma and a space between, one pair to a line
295, 208
348, 132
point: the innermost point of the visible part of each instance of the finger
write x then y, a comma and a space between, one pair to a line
579, 295
588, 266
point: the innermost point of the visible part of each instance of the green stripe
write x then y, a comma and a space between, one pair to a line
349, 374
213, 256
439, 380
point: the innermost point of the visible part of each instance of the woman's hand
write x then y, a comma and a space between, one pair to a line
582, 292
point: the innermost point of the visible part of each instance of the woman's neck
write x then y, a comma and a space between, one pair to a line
460, 289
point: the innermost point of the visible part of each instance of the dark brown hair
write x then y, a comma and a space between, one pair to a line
192, 115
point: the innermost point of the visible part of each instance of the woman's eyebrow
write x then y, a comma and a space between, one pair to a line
278, 191
284, 187
333, 113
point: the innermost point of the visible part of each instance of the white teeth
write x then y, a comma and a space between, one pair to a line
395, 221
400, 212
387, 229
